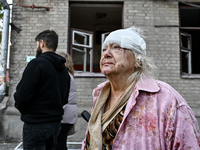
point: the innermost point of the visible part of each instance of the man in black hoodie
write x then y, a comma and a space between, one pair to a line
41, 94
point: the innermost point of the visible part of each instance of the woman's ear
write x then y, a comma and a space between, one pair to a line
138, 63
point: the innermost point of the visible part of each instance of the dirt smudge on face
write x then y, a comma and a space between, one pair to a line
121, 65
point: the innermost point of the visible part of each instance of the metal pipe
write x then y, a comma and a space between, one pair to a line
4, 48
33, 6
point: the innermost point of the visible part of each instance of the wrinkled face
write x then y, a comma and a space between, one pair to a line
117, 61
39, 50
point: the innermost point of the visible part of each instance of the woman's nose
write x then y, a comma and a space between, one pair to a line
107, 52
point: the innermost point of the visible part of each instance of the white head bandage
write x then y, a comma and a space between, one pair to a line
127, 38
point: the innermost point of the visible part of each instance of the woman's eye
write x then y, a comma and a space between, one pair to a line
116, 47
104, 49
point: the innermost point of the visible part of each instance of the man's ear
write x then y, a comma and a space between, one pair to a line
42, 44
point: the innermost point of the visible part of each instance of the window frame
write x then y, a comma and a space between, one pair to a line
187, 50
85, 46
182, 30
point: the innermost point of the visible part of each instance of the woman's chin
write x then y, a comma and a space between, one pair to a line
106, 72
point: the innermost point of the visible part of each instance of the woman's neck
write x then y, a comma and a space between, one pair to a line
118, 84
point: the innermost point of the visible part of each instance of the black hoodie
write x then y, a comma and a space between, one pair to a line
43, 89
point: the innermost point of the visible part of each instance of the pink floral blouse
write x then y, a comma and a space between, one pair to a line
156, 118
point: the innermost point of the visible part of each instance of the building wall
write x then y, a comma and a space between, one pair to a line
159, 18
32, 22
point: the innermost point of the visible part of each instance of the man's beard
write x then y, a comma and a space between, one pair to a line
38, 51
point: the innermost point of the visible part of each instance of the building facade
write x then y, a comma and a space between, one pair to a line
171, 35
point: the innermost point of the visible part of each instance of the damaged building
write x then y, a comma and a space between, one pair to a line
172, 37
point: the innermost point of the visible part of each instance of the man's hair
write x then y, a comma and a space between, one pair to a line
50, 38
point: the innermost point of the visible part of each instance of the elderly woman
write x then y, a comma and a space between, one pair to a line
133, 111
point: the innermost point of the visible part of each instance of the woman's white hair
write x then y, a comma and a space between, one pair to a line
133, 39
145, 63
145, 66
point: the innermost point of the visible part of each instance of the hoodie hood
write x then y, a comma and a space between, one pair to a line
57, 60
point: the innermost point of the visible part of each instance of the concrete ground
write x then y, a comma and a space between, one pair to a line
74, 141
8, 146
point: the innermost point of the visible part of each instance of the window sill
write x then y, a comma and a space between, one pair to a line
190, 76
81, 74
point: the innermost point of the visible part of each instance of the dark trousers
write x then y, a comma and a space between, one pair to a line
40, 136
62, 137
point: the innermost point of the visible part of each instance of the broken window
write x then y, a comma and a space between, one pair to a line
186, 53
82, 50
89, 24
189, 41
